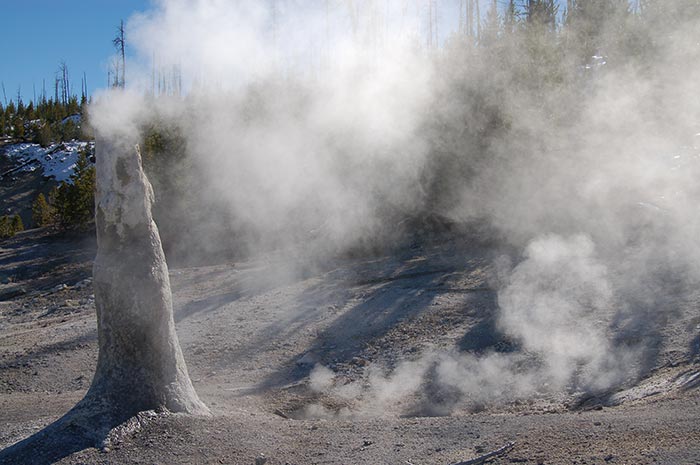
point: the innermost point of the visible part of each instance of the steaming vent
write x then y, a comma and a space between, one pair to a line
373, 224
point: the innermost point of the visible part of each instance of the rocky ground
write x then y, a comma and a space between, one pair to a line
253, 332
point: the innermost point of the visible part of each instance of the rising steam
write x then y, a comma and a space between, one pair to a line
329, 127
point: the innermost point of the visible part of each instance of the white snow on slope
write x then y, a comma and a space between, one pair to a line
57, 160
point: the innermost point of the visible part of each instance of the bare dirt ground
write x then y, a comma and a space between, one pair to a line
252, 332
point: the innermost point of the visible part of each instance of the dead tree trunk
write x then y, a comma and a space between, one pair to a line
140, 364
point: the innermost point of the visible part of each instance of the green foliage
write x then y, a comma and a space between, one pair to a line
18, 127
10, 225
43, 121
17, 224
74, 202
43, 214
168, 169
5, 227
43, 135
68, 131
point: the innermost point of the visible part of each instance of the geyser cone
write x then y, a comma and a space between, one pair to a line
140, 364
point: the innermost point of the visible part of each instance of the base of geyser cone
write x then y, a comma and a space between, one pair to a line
93, 422
140, 366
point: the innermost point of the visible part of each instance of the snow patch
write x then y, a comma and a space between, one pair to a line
57, 160
76, 119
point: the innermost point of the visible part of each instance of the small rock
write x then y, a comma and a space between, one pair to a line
59, 288
83, 284
308, 359
359, 361
261, 460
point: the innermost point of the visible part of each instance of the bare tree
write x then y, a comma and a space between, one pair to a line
64, 82
432, 29
85, 95
120, 44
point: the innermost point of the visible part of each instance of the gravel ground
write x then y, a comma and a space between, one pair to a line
252, 333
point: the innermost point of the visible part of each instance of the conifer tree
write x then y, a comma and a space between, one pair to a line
17, 225
492, 25
42, 212
18, 127
5, 227
2, 121
75, 202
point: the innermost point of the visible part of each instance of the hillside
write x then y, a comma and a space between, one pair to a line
255, 334
28, 169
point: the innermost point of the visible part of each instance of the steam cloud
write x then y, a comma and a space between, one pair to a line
330, 138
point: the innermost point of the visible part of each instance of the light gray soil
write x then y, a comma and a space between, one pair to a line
252, 331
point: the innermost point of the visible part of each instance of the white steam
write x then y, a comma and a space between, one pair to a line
324, 129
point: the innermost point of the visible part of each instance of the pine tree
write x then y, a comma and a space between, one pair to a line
43, 136
492, 26
75, 202
42, 212
589, 25
5, 227
18, 127
16, 224
3, 122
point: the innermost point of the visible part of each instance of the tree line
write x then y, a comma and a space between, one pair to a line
44, 121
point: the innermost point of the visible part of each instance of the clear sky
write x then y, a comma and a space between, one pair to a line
35, 35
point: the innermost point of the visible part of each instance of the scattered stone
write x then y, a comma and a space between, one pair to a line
279, 413
261, 460
366, 444
58, 288
83, 284
307, 359
359, 361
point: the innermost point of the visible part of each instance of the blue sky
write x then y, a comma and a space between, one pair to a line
35, 35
